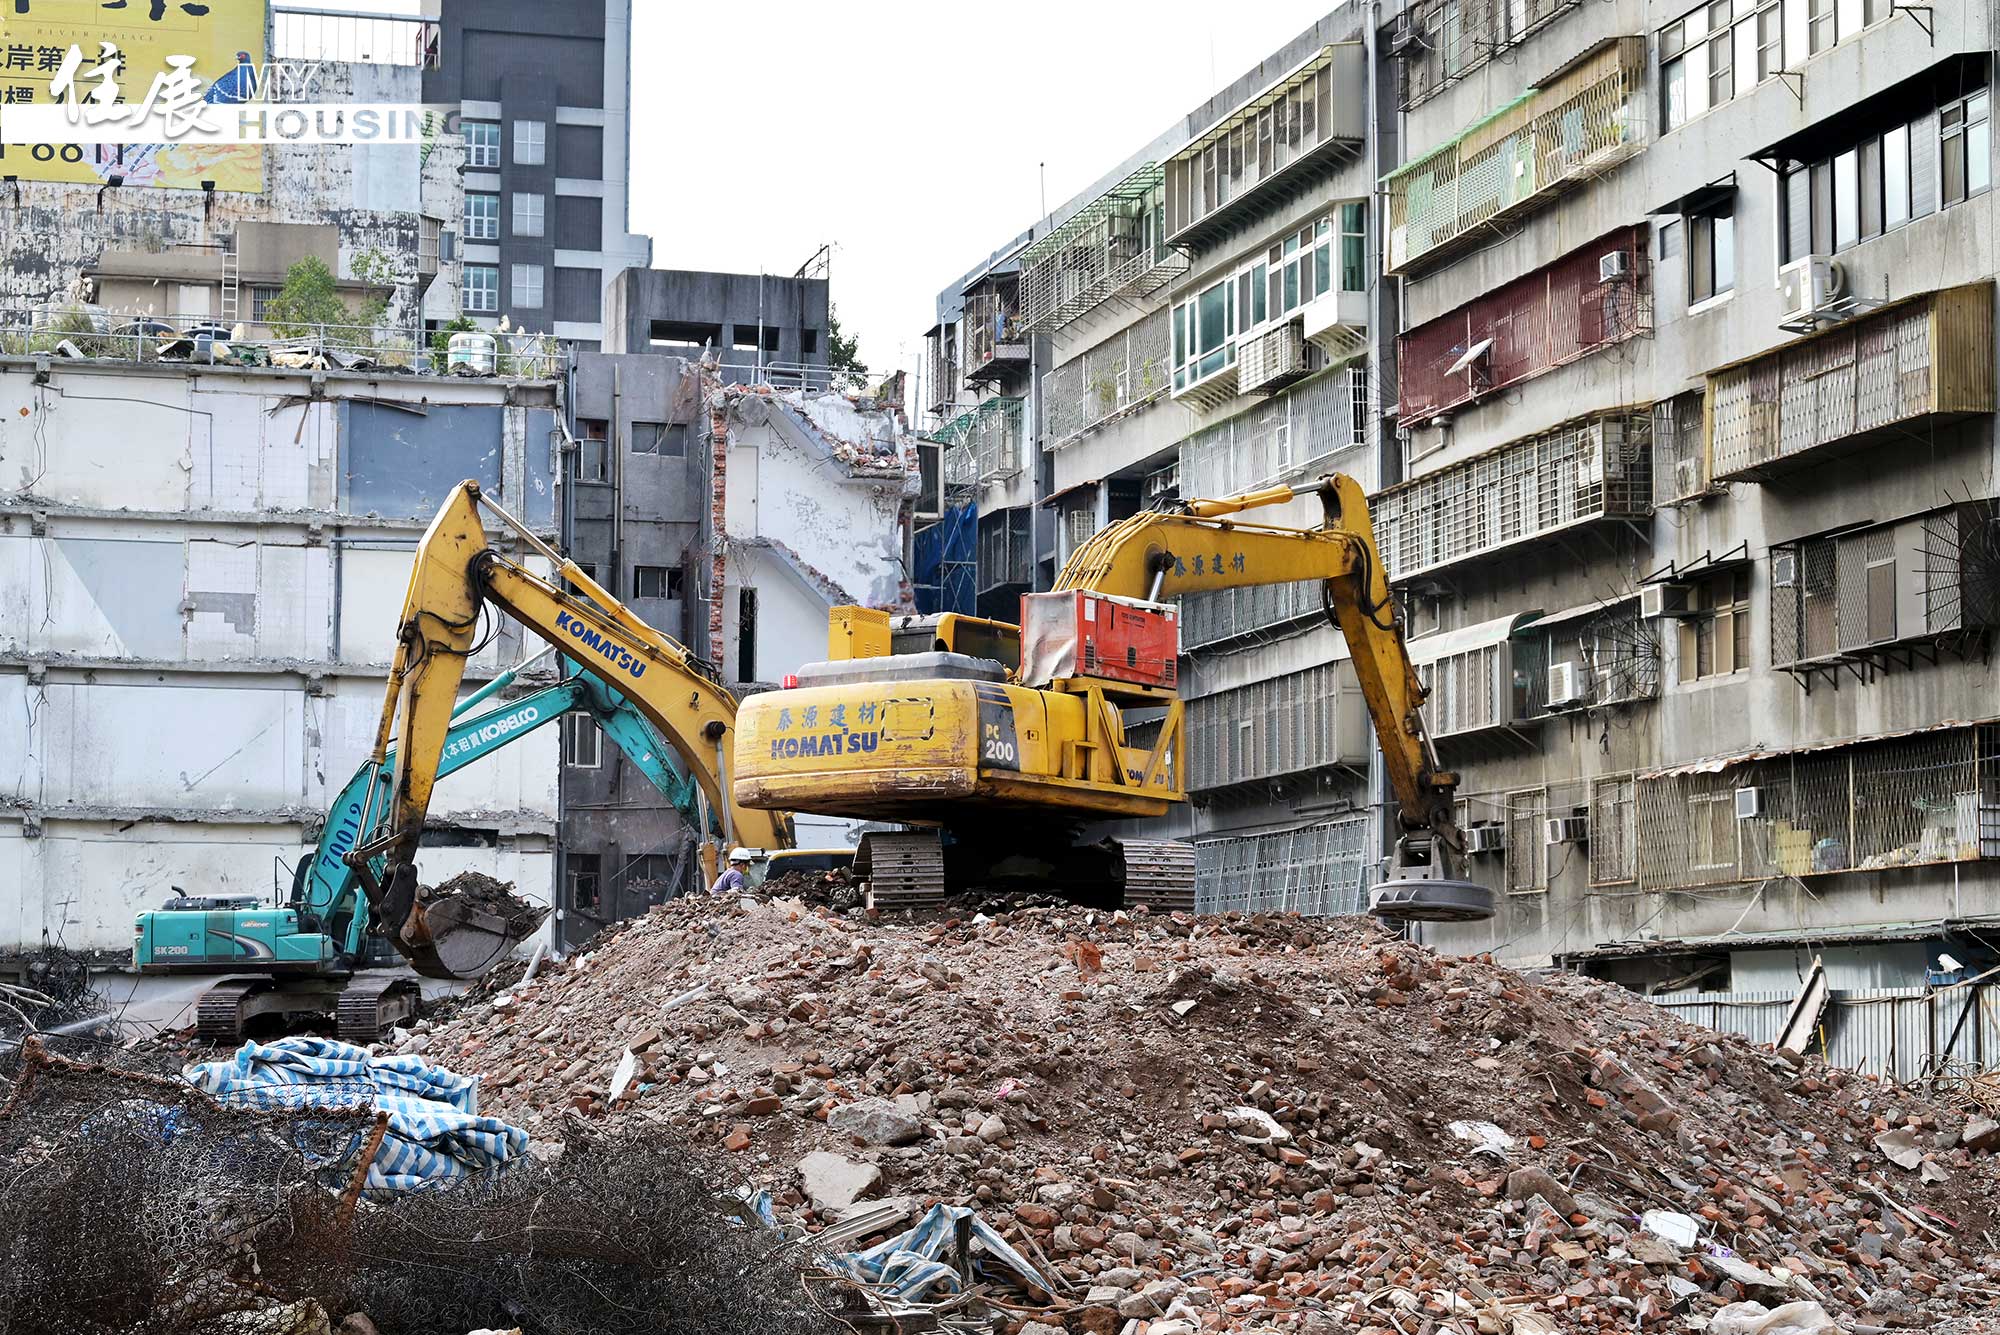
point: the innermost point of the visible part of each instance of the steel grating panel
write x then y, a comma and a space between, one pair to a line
1320, 870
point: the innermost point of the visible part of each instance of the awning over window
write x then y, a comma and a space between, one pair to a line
1954, 76
1446, 643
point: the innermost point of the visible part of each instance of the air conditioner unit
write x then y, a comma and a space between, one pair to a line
1568, 685
1566, 830
1749, 803
1812, 286
1611, 266
1407, 42
1486, 839
1784, 570
1663, 600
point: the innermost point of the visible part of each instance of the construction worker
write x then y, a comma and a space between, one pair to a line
735, 880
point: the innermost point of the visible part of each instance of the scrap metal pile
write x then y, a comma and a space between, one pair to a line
1261, 1124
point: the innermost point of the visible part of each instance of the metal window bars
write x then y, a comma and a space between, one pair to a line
1614, 830
1211, 619
1113, 247
1295, 434
1927, 359
1581, 472
1612, 657
1320, 870
993, 331
1680, 465
1124, 372
1291, 724
1006, 553
982, 444
1580, 123
1448, 39
1928, 797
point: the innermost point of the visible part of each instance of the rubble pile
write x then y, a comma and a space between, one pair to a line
1260, 1123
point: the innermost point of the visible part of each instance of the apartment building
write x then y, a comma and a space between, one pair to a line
1697, 377
545, 96
759, 329
1668, 362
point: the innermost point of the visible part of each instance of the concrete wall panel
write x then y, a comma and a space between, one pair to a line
191, 748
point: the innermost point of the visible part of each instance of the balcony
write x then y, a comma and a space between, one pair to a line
995, 340
983, 444
1921, 363
1580, 122
1591, 298
1877, 598
1006, 557
1120, 375
1477, 677
1273, 147
1109, 249
1589, 471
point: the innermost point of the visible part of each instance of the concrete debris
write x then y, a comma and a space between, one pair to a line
1900, 1147
1343, 1131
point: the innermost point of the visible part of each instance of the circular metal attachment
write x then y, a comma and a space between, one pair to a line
1431, 901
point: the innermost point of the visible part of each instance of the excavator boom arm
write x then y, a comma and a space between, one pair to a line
1202, 548
457, 573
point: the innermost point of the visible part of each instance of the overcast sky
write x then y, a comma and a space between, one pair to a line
908, 135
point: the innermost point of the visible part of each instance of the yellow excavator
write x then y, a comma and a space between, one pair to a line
996, 745
458, 573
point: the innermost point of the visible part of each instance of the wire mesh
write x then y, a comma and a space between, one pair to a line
983, 444
1288, 436
1112, 247
1609, 657
1582, 123
1598, 468
137, 1203
1319, 870
1124, 371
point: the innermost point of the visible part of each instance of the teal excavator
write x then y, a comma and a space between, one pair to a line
315, 955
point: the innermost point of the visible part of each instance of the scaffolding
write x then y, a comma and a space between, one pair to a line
1442, 41
1291, 724
1112, 248
1320, 869
1589, 470
1920, 798
1928, 360
1580, 123
1117, 376
1543, 320
1285, 437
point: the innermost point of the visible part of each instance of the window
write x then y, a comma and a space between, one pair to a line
1715, 638
529, 213
660, 438
482, 217
1204, 334
1886, 179
482, 144
658, 582
582, 872
1965, 134
480, 289
1711, 241
1723, 50
527, 287
1353, 248
592, 465
583, 744
531, 143
746, 635
652, 875
260, 302
1359, 408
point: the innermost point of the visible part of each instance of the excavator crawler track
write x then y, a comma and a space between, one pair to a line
903, 870
370, 1004
1159, 873
219, 1012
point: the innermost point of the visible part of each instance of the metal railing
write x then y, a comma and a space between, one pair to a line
95, 334
793, 375
301, 32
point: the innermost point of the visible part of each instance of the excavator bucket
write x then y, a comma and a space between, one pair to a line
465, 927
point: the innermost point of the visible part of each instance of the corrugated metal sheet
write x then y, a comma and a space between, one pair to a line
1906, 1033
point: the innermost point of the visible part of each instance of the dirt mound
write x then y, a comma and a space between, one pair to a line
482, 892
1257, 1123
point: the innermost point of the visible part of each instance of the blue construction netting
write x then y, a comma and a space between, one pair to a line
945, 556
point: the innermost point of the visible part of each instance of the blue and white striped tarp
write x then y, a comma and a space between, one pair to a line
435, 1134
908, 1266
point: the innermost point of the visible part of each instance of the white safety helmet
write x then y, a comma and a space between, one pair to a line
739, 855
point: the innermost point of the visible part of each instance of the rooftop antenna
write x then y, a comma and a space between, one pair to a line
1044, 168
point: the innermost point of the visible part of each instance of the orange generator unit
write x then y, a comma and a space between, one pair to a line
1077, 634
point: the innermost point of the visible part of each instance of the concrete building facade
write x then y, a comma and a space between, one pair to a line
544, 93
758, 329
1669, 367
205, 567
